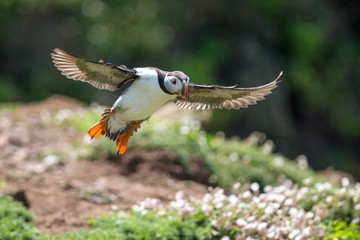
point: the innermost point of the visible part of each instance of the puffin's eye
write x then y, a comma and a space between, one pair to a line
173, 81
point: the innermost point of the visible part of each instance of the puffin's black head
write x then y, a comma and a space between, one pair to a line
177, 83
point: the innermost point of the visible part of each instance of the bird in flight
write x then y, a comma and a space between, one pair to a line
145, 90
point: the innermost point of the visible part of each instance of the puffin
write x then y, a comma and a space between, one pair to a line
143, 90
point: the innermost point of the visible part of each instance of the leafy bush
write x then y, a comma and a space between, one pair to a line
342, 231
16, 221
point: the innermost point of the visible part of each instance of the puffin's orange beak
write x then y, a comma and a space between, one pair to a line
185, 90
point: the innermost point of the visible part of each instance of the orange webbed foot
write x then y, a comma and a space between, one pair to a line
123, 139
97, 130
100, 128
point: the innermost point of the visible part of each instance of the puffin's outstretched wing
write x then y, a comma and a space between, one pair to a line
209, 97
99, 74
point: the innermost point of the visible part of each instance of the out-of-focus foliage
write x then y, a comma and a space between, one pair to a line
316, 109
342, 230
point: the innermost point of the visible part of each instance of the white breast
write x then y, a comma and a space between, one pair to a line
140, 100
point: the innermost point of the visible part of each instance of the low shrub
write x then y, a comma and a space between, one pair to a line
16, 221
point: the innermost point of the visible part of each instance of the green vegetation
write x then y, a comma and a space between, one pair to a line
342, 231
16, 221
148, 226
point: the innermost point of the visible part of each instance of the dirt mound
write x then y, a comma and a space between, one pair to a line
63, 194
151, 164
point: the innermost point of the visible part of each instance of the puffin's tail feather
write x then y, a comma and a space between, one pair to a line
100, 128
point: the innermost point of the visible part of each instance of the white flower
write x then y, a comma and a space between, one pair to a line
241, 222
236, 186
302, 162
293, 211
268, 146
251, 218
298, 237
306, 231
213, 222
294, 233
255, 187
246, 194
279, 161
276, 206
317, 219
289, 202
261, 226
321, 187
345, 182
184, 130
256, 200
268, 188
309, 215
186, 209
329, 199
357, 207
269, 210
179, 195
214, 233
205, 208
207, 197
233, 199
262, 205
138, 207
177, 203
307, 181
272, 232
219, 205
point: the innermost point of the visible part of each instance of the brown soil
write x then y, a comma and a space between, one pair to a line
63, 194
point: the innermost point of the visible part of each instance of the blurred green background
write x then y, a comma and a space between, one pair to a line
315, 111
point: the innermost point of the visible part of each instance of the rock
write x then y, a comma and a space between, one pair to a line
20, 196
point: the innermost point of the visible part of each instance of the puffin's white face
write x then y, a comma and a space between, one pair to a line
173, 84
177, 86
